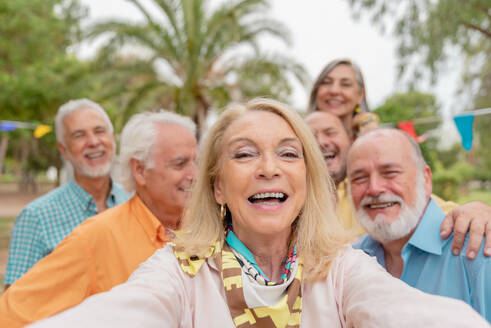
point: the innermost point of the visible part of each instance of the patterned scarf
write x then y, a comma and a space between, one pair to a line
252, 269
284, 314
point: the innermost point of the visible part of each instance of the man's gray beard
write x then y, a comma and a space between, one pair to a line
85, 171
339, 175
382, 230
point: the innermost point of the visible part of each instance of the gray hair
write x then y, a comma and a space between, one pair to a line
329, 67
418, 158
138, 137
72, 106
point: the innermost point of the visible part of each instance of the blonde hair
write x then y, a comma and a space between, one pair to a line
317, 232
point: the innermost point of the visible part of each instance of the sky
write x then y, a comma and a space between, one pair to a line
321, 31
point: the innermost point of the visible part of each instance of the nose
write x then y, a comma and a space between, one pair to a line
93, 139
322, 139
268, 167
192, 170
375, 187
334, 88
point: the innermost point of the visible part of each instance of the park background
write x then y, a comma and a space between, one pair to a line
424, 62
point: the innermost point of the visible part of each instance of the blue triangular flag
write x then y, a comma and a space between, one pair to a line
464, 124
7, 126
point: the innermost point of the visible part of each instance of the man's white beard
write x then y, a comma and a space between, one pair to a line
382, 230
89, 172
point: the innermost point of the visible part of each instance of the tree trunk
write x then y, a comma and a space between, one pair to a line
3, 150
201, 111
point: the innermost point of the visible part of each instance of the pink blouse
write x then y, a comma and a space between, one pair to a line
358, 292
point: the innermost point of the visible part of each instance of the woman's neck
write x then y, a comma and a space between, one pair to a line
269, 252
347, 121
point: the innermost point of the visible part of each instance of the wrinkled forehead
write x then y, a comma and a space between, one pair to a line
323, 120
380, 150
84, 117
172, 138
342, 70
259, 123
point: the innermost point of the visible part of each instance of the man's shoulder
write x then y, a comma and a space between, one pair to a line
53, 198
106, 221
120, 194
108, 217
478, 261
363, 242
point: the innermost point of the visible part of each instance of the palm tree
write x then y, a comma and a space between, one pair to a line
195, 59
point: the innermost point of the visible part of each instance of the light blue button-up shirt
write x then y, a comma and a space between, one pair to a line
46, 221
430, 266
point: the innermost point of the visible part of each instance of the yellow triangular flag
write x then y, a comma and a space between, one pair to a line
41, 130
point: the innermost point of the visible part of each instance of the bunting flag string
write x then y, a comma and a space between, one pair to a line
464, 123
40, 130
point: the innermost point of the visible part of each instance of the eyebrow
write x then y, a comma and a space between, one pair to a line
390, 165
179, 158
383, 166
329, 129
231, 142
282, 141
358, 171
103, 126
286, 140
76, 131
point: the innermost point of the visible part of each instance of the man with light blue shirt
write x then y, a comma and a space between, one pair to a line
85, 139
390, 188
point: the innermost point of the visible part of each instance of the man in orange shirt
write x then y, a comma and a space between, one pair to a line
157, 161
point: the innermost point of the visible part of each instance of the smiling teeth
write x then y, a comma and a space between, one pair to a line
96, 155
329, 155
381, 205
268, 195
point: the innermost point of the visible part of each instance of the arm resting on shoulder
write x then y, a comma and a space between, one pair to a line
473, 218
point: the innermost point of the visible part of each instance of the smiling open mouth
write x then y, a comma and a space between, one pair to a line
329, 155
95, 155
381, 205
268, 198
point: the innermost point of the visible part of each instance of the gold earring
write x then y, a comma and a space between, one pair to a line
223, 211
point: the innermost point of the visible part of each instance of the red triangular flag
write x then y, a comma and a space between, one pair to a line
408, 127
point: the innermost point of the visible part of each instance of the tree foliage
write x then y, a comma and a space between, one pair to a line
192, 57
36, 73
428, 29
409, 106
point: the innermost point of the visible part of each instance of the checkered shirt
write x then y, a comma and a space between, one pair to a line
46, 221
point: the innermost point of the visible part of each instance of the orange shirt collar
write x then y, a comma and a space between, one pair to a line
152, 226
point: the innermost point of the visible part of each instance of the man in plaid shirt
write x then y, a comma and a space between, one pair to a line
85, 139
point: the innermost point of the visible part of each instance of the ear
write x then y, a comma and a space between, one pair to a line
62, 151
138, 171
218, 191
428, 182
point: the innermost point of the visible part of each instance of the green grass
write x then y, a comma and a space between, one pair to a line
481, 195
